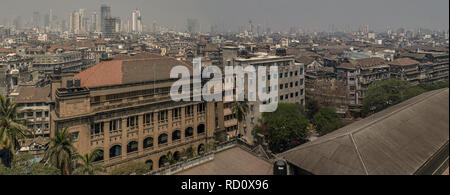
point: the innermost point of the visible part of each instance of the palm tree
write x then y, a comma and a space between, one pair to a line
61, 152
87, 166
11, 129
240, 109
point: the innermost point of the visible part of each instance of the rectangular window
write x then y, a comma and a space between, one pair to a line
75, 136
189, 110
201, 108
132, 121
115, 125
148, 119
97, 129
163, 116
38, 114
176, 113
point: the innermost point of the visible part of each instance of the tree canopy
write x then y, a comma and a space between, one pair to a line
383, 94
326, 120
284, 128
24, 165
135, 168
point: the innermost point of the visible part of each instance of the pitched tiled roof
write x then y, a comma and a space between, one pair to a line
369, 62
304, 59
404, 62
104, 73
131, 69
346, 65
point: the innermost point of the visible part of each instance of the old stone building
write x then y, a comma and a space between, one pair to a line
123, 108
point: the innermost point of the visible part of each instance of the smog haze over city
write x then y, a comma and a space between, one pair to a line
280, 15
203, 88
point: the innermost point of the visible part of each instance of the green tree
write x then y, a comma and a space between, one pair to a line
240, 109
132, 168
284, 128
188, 152
11, 130
86, 165
326, 120
61, 152
382, 94
312, 107
25, 165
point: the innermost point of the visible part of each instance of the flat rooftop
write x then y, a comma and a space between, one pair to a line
233, 161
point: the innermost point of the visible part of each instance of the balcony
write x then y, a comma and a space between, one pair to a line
177, 123
119, 103
97, 137
189, 120
148, 128
163, 127
201, 116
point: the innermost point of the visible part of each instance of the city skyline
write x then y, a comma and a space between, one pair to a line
322, 15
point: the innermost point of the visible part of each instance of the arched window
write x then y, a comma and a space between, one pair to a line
132, 147
163, 160
115, 151
163, 138
100, 156
148, 142
201, 129
176, 156
201, 149
149, 163
176, 135
189, 132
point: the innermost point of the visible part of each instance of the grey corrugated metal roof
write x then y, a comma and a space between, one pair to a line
398, 140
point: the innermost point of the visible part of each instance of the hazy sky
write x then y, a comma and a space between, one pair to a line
280, 15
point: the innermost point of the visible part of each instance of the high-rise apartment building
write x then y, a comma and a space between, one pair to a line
136, 21
105, 12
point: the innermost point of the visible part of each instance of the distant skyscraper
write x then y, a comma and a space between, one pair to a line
136, 21
36, 19
75, 22
95, 22
105, 13
112, 25
154, 26
192, 25
50, 19
78, 22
